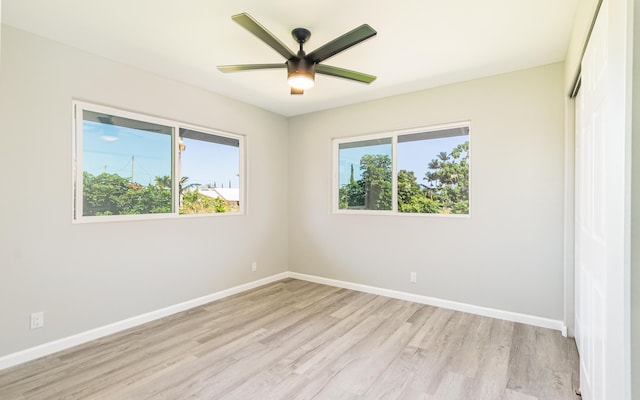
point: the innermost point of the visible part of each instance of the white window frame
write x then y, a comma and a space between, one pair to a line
77, 170
335, 179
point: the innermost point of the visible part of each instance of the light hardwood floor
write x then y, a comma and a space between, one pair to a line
299, 340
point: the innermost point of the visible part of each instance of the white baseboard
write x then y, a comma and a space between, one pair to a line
93, 334
433, 301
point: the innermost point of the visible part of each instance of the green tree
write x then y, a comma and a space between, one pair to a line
408, 187
411, 198
152, 199
163, 182
373, 190
184, 186
352, 195
193, 202
376, 175
111, 194
448, 180
101, 194
352, 180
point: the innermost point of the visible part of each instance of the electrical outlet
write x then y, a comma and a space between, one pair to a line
37, 320
413, 277
254, 266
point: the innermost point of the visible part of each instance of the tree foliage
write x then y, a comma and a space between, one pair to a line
194, 202
373, 190
376, 174
112, 194
411, 197
448, 179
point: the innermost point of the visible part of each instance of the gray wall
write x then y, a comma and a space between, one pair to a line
87, 275
508, 255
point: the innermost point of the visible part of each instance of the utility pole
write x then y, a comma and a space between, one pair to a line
133, 168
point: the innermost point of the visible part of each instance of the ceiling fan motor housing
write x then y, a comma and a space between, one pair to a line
301, 66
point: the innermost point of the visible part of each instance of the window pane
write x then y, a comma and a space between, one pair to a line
210, 173
126, 166
433, 172
365, 175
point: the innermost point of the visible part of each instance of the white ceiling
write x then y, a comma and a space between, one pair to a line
420, 43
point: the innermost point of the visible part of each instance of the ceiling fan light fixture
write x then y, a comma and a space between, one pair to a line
301, 74
301, 80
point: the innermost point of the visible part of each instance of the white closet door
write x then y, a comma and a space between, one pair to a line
600, 215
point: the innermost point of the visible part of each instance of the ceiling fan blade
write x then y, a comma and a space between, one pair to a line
344, 73
247, 67
297, 91
253, 26
343, 42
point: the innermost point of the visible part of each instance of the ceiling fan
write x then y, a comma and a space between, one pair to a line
302, 67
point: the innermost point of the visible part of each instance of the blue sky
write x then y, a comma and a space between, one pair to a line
206, 163
415, 156
412, 156
110, 148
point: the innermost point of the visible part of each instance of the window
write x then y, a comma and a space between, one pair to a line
365, 175
210, 178
423, 171
132, 166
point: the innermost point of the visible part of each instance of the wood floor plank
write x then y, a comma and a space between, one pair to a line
454, 386
300, 340
394, 381
491, 377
